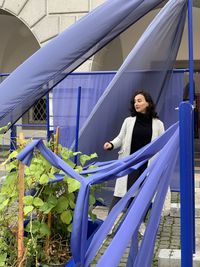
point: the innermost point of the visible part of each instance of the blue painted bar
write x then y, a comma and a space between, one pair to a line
190, 47
47, 118
186, 187
77, 121
31, 125
4, 74
13, 134
191, 97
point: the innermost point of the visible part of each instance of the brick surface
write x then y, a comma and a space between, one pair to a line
1, 3
96, 3
47, 28
66, 21
33, 11
14, 6
69, 6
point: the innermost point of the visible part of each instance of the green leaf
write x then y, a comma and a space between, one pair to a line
46, 208
38, 202
69, 228
84, 158
73, 185
70, 163
93, 156
28, 209
34, 228
37, 175
5, 202
52, 200
72, 204
11, 166
66, 217
3, 259
33, 167
49, 205
62, 204
44, 229
78, 169
11, 156
5, 128
92, 216
28, 200
44, 179
92, 200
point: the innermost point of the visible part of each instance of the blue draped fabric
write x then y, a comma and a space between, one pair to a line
53, 62
65, 99
148, 67
93, 85
172, 97
156, 180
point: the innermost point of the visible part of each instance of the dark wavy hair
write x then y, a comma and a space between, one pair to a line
150, 111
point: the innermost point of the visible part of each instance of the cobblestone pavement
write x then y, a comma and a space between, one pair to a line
168, 236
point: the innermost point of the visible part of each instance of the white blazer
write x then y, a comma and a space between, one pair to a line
123, 140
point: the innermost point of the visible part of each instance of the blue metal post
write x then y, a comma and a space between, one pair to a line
191, 98
190, 47
13, 134
77, 121
47, 117
186, 187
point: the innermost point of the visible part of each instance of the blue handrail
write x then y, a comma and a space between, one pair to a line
191, 98
77, 121
186, 183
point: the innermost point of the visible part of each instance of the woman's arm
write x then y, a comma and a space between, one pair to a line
118, 141
161, 128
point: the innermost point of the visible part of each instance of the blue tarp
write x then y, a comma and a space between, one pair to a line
148, 67
156, 181
50, 64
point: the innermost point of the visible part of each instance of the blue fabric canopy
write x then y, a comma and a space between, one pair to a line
50, 64
93, 84
148, 67
65, 101
156, 176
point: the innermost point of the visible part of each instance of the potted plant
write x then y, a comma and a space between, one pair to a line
48, 208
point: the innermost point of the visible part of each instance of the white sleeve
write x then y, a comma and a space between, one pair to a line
117, 141
161, 128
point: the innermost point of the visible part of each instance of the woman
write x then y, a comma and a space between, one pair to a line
137, 131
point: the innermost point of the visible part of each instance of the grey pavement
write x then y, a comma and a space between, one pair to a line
168, 236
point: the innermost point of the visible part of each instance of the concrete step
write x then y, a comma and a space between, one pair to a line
175, 210
175, 207
172, 257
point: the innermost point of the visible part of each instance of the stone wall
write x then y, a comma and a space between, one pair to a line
47, 18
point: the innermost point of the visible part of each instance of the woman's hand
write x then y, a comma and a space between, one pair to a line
107, 146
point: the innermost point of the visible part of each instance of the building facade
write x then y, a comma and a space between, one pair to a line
27, 25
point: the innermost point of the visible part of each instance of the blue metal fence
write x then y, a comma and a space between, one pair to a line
186, 184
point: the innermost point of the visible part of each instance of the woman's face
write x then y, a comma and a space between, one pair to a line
140, 103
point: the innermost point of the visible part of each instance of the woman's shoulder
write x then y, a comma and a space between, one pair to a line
129, 119
158, 121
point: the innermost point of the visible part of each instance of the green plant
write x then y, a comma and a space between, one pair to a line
48, 210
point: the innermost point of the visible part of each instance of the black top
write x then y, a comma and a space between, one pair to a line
142, 132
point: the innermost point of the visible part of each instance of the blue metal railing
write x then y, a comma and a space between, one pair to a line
186, 184
77, 121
